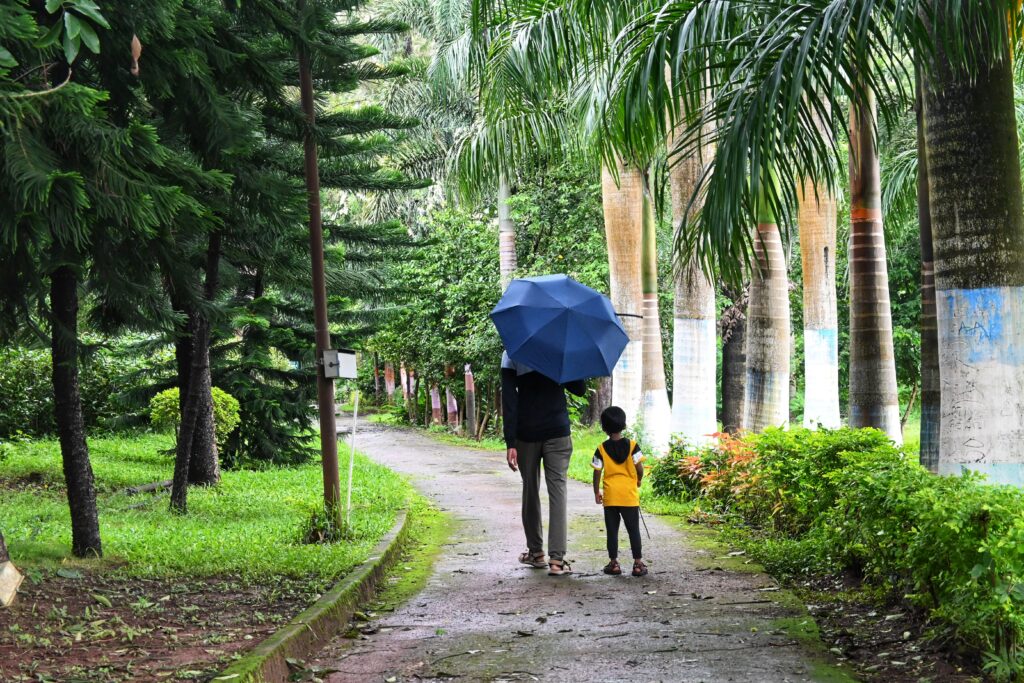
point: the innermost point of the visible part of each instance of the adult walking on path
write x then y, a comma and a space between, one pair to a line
481, 618
536, 424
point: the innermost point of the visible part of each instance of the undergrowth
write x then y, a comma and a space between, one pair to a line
810, 502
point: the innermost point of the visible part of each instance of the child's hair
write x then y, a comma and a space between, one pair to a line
613, 420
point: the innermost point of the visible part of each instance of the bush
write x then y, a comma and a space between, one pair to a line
105, 374
848, 499
164, 413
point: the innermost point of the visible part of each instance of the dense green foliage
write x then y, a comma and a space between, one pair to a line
165, 413
250, 525
26, 389
849, 500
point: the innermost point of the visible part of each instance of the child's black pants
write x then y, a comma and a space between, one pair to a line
629, 515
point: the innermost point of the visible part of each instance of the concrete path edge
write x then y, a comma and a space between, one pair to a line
315, 626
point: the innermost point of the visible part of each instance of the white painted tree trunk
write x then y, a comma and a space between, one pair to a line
768, 338
506, 234
816, 216
694, 354
874, 395
623, 221
974, 188
655, 412
694, 339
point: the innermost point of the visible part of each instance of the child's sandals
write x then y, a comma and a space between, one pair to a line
559, 568
613, 568
535, 560
639, 568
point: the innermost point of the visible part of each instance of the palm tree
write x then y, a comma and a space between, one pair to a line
816, 216
766, 401
874, 397
930, 380
978, 242
694, 337
655, 412
623, 201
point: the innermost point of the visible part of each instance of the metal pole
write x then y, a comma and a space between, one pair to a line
351, 460
324, 385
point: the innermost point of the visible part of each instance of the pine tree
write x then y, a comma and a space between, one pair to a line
78, 182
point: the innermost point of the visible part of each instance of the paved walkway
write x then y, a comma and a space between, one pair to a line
483, 617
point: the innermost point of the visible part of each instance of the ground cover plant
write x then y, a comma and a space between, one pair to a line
849, 501
173, 594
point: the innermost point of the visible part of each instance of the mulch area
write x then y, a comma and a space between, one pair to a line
75, 626
883, 640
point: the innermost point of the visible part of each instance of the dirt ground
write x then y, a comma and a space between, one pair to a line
84, 627
881, 640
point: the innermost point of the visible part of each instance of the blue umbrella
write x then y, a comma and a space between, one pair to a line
560, 328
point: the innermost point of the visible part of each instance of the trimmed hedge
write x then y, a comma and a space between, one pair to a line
849, 499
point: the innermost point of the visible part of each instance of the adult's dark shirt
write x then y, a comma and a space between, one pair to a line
533, 406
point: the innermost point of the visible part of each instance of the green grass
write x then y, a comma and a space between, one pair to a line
250, 525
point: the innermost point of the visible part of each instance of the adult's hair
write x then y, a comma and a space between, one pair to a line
613, 420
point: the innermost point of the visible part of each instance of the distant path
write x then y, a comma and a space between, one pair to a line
484, 617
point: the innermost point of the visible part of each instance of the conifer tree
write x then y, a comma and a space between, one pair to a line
77, 183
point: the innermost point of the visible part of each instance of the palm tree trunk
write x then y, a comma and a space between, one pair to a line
599, 399
656, 414
506, 234
816, 216
85, 525
930, 381
694, 343
874, 400
623, 203
766, 401
734, 371
974, 187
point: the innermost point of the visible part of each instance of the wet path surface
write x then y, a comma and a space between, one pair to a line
484, 617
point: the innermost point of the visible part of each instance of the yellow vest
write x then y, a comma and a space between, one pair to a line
619, 479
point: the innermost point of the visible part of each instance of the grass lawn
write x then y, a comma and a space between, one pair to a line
250, 525
190, 592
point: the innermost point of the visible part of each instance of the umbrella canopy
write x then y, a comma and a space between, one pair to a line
560, 328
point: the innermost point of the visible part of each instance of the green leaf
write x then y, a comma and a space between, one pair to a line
89, 37
73, 24
69, 573
102, 599
6, 58
53, 5
71, 47
92, 11
51, 36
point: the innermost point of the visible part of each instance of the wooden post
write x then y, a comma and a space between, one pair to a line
324, 385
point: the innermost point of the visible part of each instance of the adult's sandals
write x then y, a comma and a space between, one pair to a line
535, 560
639, 568
559, 568
613, 568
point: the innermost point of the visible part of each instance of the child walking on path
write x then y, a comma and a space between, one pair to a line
621, 463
